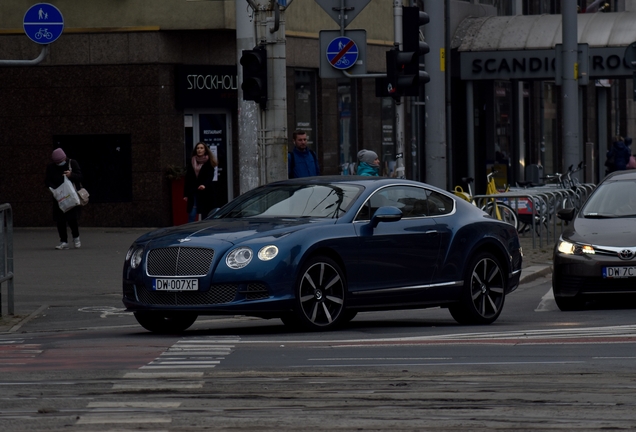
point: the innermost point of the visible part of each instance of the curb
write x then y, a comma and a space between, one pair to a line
533, 273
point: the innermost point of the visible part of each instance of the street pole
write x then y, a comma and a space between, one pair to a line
271, 137
399, 105
570, 90
435, 166
248, 111
270, 30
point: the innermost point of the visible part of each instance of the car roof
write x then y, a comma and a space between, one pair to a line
621, 175
353, 180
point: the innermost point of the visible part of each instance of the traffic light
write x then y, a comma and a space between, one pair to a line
254, 84
403, 67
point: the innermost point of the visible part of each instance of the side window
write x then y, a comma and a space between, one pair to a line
412, 200
439, 204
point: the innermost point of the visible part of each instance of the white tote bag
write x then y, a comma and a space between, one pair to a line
66, 195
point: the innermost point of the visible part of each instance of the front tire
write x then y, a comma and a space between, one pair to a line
165, 322
484, 291
320, 294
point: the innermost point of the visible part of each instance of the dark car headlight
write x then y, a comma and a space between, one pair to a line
239, 258
568, 248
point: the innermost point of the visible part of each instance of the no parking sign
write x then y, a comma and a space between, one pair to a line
342, 53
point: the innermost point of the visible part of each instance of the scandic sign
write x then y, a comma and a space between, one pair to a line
538, 64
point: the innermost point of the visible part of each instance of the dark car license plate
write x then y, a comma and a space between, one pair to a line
619, 272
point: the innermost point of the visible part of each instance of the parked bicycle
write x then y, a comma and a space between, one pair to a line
493, 207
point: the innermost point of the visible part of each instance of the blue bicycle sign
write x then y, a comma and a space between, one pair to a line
43, 23
342, 53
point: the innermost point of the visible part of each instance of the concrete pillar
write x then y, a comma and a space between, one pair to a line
248, 111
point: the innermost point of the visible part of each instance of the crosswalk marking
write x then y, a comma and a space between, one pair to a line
198, 352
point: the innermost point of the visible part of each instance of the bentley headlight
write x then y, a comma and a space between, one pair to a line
135, 258
130, 252
239, 258
267, 253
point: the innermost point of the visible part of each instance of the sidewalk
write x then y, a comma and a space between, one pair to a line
52, 281
537, 261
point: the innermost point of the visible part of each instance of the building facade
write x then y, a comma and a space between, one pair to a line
130, 87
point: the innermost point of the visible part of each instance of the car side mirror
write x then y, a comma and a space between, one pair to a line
386, 214
566, 214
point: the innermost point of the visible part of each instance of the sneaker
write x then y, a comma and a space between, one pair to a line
77, 243
62, 245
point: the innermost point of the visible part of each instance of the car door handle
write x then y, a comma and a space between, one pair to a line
431, 232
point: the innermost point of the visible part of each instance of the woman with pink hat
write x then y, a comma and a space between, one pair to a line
55, 171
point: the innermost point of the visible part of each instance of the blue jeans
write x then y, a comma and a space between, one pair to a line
193, 215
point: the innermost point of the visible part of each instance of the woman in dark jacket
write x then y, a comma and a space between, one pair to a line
199, 182
55, 172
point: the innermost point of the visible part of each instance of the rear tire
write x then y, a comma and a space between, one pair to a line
484, 291
165, 322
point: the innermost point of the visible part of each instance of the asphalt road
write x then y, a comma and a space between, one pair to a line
74, 360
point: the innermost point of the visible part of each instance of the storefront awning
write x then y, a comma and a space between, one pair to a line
536, 32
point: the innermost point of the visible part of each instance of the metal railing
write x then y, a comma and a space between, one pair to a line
540, 205
6, 255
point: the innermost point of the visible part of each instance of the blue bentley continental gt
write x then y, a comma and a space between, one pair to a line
314, 252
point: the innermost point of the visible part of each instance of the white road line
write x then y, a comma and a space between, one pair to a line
177, 367
547, 302
132, 404
122, 418
184, 362
159, 386
378, 358
198, 352
155, 375
439, 364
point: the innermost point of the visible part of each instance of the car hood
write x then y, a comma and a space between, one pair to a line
230, 230
617, 232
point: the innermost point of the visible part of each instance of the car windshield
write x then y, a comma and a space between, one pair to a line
612, 199
293, 201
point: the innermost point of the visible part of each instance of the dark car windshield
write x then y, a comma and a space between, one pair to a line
612, 199
292, 201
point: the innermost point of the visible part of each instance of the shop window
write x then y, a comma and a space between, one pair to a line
106, 164
347, 133
305, 106
388, 137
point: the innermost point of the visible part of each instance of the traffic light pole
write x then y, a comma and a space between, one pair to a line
263, 80
399, 106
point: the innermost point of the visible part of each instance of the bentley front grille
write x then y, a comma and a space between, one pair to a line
217, 294
179, 261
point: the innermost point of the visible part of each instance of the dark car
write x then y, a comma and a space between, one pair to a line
594, 257
316, 251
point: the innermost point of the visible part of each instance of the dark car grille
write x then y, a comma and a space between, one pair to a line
218, 294
179, 261
594, 285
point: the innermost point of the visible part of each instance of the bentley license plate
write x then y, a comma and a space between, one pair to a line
619, 272
175, 285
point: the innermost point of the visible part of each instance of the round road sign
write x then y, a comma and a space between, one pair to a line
43, 23
342, 53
